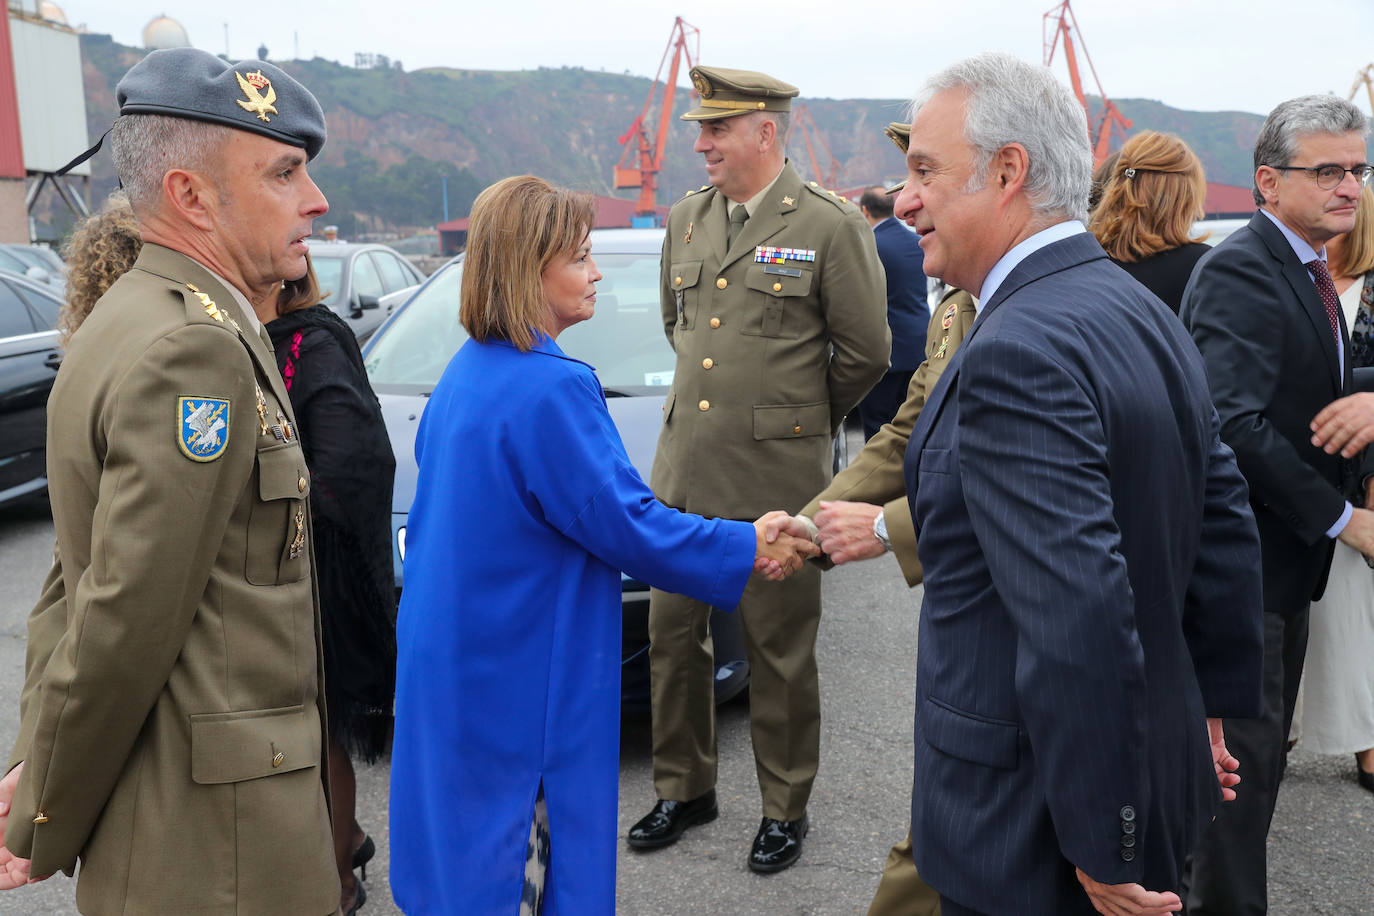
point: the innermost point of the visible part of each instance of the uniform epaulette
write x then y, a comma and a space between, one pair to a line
826, 194
201, 308
697, 191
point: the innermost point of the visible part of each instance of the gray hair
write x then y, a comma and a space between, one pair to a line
1011, 101
146, 146
1294, 119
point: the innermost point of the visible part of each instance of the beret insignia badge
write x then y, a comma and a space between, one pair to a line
203, 427
258, 103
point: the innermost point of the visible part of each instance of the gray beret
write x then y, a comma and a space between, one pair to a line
251, 95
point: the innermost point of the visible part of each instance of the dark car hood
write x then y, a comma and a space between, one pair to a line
637, 418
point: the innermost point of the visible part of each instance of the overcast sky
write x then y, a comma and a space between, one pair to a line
1204, 55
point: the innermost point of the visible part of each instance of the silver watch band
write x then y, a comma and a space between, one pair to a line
880, 531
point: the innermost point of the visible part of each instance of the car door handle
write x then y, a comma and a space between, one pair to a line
54, 361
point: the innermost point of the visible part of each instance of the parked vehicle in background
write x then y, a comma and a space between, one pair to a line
363, 283
42, 265
29, 359
1218, 229
624, 342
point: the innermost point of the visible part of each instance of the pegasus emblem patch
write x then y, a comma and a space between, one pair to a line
202, 427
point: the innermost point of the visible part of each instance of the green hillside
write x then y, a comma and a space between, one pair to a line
395, 136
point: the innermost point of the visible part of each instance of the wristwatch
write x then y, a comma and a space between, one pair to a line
880, 531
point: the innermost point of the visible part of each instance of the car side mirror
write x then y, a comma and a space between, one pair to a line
368, 302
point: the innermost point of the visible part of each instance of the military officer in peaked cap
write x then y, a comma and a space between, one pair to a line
774, 301
171, 733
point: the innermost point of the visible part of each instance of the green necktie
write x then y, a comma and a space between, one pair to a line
738, 217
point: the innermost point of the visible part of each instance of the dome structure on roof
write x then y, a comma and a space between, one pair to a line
52, 12
165, 32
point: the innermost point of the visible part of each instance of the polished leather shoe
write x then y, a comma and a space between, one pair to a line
1366, 780
669, 819
778, 844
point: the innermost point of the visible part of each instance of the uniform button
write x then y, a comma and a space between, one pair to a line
1127, 827
703, 405
722, 283
300, 484
1127, 840
277, 759
1128, 855
777, 287
1127, 813
677, 281
41, 818
707, 363
797, 430
715, 322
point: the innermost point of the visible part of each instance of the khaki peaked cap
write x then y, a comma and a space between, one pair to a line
726, 93
900, 135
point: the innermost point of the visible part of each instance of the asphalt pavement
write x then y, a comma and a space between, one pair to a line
1321, 845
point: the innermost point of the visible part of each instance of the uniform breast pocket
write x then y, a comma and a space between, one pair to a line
278, 534
777, 293
683, 279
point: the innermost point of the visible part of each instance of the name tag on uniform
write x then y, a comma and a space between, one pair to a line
782, 271
766, 254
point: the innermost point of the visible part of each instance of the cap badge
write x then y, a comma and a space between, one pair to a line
258, 103
201, 422
702, 86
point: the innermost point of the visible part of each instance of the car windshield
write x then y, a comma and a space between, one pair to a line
329, 273
624, 341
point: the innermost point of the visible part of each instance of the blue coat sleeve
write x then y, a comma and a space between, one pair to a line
588, 490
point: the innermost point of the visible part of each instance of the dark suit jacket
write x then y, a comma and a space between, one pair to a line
907, 313
1091, 592
1166, 274
1272, 365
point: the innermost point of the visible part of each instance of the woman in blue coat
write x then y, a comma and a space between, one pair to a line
526, 510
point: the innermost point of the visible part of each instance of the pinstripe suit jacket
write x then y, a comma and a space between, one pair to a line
1092, 592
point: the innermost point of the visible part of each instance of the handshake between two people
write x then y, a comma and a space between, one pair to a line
843, 531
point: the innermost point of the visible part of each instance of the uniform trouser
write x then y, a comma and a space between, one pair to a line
780, 620
1227, 873
902, 891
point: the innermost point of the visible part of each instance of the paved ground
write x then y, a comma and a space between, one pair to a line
1320, 848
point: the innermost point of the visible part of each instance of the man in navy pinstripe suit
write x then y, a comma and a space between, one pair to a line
1092, 591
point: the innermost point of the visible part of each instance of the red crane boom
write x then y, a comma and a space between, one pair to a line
803, 121
649, 155
1060, 22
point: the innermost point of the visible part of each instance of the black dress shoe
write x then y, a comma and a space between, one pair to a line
663, 825
778, 844
1365, 779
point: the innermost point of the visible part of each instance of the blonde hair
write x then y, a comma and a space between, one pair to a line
102, 249
1353, 254
517, 227
1153, 196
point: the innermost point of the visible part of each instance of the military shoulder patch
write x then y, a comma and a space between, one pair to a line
202, 427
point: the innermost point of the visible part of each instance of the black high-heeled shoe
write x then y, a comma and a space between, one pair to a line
1365, 779
363, 854
359, 898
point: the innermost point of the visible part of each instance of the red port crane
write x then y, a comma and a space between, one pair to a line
649, 155
1061, 23
803, 121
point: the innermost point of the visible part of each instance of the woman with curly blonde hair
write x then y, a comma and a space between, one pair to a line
1150, 200
100, 251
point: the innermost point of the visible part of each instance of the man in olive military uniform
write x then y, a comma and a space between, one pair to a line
864, 514
774, 301
171, 731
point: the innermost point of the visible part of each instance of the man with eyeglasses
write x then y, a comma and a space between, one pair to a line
1264, 313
